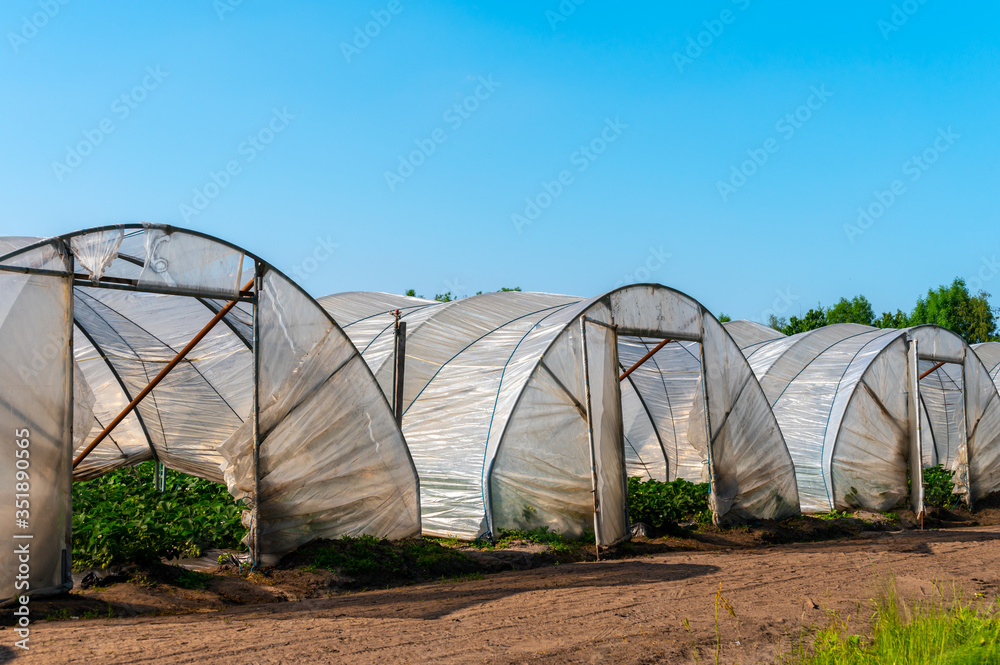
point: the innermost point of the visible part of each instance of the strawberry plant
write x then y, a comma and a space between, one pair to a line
121, 518
938, 487
661, 504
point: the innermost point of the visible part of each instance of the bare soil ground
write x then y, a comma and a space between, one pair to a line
628, 610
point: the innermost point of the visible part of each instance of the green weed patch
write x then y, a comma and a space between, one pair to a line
908, 635
373, 561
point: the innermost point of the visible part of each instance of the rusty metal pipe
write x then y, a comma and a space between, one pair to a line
159, 377
931, 370
644, 359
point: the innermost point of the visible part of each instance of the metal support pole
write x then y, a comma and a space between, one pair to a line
159, 377
916, 461
398, 368
590, 437
621, 430
67, 550
255, 415
964, 456
713, 503
159, 476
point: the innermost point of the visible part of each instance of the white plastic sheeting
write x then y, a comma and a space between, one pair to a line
333, 462
984, 453
36, 415
750, 334
989, 354
839, 394
332, 459
497, 407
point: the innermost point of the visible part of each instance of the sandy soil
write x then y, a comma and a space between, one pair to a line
625, 611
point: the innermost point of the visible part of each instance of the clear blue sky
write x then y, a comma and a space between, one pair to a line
200, 78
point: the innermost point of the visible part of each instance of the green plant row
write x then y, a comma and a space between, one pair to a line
121, 518
939, 487
661, 504
368, 556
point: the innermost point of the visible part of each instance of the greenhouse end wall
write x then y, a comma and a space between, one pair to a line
329, 459
36, 416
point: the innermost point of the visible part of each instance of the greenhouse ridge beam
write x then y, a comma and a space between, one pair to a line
80, 279
644, 359
159, 377
128, 285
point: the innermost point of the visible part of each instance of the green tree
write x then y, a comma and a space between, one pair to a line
889, 320
444, 297
856, 310
779, 323
814, 318
954, 308
980, 319
504, 288
723, 317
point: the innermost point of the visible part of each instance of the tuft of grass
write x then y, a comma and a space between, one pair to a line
59, 615
540, 535
447, 542
908, 635
833, 515
720, 602
191, 579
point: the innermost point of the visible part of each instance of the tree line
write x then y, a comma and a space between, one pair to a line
448, 297
949, 306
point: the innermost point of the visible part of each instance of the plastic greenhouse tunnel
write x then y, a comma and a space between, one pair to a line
275, 400
863, 409
518, 414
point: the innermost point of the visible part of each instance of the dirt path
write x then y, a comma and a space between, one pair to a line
629, 611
